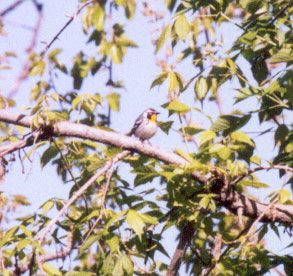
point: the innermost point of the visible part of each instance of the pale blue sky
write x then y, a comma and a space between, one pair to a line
138, 71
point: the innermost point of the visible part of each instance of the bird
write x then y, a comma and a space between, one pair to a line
146, 125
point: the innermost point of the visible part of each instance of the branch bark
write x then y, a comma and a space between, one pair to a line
226, 195
180, 251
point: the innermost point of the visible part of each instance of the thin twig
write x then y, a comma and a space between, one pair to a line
103, 205
48, 257
11, 7
25, 69
282, 11
276, 167
67, 24
70, 172
41, 236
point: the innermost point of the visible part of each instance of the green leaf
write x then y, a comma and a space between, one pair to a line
253, 183
47, 206
48, 155
165, 126
114, 101
191, 130
201, 88
284, 196
159, 80
242, 138
130, 7
9, 234
118, 268
80, 273
22, 244
90, 241
255, 159
222, 151
178, 107
115, 217
142, 178
99, 18
259, 69
281, 133
206, 136
26, 231
148, 219
172, 82
113, 242
168, 175
284, 55
109, 265
116, 53
51, 270
184, 154
204, 202
37, 68
229, 123
182, 27
127, 265
120, 2
165, 35
6, 272
250, 5
135, 222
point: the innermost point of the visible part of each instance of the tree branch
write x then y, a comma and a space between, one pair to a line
48, 257
226, 195
67, 24
41, 236
26, 67
183, 244
11, 7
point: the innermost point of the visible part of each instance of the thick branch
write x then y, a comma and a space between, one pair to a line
183, 244
226, 195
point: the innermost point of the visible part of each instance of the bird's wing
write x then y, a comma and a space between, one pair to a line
137, 122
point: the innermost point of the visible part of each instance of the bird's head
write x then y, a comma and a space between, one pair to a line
152, 115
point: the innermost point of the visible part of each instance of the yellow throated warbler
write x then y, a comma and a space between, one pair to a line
145, 126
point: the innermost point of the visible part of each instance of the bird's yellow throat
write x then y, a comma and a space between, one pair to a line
153, 118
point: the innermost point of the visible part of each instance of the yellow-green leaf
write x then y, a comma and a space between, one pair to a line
222, 151
114, 101
172, 81
116, 54
178, 107
99, 18
206, 136
113, 242
135, 222
47, 206
148, 219
242, 137
165, 35
253, 183
182, 26
184, 154
255, 159
51, 270
284, 196
201, 88
127, 265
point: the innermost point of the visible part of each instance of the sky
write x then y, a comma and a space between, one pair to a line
138, 71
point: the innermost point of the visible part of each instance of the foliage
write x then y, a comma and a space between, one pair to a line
117, 225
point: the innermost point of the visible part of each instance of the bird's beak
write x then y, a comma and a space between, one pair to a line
157, 112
